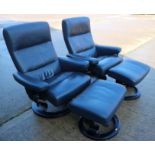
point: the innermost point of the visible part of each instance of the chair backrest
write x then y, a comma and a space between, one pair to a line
78, 37
31, 49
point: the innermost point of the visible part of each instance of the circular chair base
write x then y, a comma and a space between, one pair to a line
48, 110
136, 94
93, 131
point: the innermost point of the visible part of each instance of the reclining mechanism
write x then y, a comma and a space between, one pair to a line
104, 60
57, 85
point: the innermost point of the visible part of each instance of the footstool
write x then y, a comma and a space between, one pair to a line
96, 105
129, 73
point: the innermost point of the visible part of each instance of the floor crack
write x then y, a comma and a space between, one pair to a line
11, 118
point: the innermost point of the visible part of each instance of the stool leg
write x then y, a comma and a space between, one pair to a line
93, 130
136, 94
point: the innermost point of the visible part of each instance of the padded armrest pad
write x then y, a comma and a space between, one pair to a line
71, 64
30, 83
92, 61
107, 50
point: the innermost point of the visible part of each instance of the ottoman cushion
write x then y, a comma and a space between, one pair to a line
129, 72
99, 101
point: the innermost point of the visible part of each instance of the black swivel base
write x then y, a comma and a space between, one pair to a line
135, 94
92, 130
48, 110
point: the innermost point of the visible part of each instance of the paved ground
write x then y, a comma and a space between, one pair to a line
17, 121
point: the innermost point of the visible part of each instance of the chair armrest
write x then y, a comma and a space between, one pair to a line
107, 50
71, 64
31, 83
92, 61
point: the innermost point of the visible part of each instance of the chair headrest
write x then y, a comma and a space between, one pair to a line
26, 35
76, 26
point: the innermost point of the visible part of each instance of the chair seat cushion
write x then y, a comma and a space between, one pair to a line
129, 72
65, 86
105, 63
99, 101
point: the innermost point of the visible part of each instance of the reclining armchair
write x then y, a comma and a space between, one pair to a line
56, 84
41, 72
103, 60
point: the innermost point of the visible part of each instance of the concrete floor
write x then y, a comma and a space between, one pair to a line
18, 122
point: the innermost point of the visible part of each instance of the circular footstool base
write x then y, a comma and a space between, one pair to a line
93, 131
136, 94
48, 110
